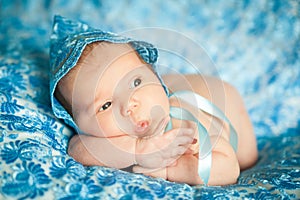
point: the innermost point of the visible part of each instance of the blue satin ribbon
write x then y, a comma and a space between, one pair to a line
205, 148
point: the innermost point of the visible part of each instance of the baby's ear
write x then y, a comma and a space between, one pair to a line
146, 51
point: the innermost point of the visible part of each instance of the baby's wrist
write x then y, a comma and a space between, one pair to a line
139, 151
136, 152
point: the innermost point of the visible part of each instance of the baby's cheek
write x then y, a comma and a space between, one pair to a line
105, 126
88, 125
162, 98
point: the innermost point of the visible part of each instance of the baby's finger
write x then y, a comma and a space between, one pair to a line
185, 140
189, 151
178, 151
194, 141
179, 132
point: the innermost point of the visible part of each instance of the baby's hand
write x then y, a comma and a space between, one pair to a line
163, 150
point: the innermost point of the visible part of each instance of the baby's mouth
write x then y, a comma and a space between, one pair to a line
143, 129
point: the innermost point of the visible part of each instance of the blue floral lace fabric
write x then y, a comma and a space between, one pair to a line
255, 45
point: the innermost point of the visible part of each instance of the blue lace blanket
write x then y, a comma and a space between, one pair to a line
253, 44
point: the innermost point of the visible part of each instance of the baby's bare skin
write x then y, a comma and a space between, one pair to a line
172, 155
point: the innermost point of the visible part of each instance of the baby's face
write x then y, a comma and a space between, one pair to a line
115, 93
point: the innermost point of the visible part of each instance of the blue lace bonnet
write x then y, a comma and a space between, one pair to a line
67, 42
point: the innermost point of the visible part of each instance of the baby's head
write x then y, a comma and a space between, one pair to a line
112, 91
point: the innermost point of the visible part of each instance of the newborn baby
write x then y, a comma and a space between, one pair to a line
122, 110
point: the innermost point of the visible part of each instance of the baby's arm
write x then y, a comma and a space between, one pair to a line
224, 169
123, 151
90, 150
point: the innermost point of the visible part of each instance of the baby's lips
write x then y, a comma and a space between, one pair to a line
142, 126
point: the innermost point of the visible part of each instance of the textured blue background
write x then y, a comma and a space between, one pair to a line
253, 44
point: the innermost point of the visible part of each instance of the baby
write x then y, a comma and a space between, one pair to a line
122, 110
118, 101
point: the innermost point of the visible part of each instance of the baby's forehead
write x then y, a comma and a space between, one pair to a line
97, 57
106, 50
102, 54
97, 53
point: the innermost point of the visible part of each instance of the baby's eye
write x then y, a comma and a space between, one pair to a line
105, 106
136, 82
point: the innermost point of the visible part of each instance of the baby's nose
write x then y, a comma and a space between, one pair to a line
133, 104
